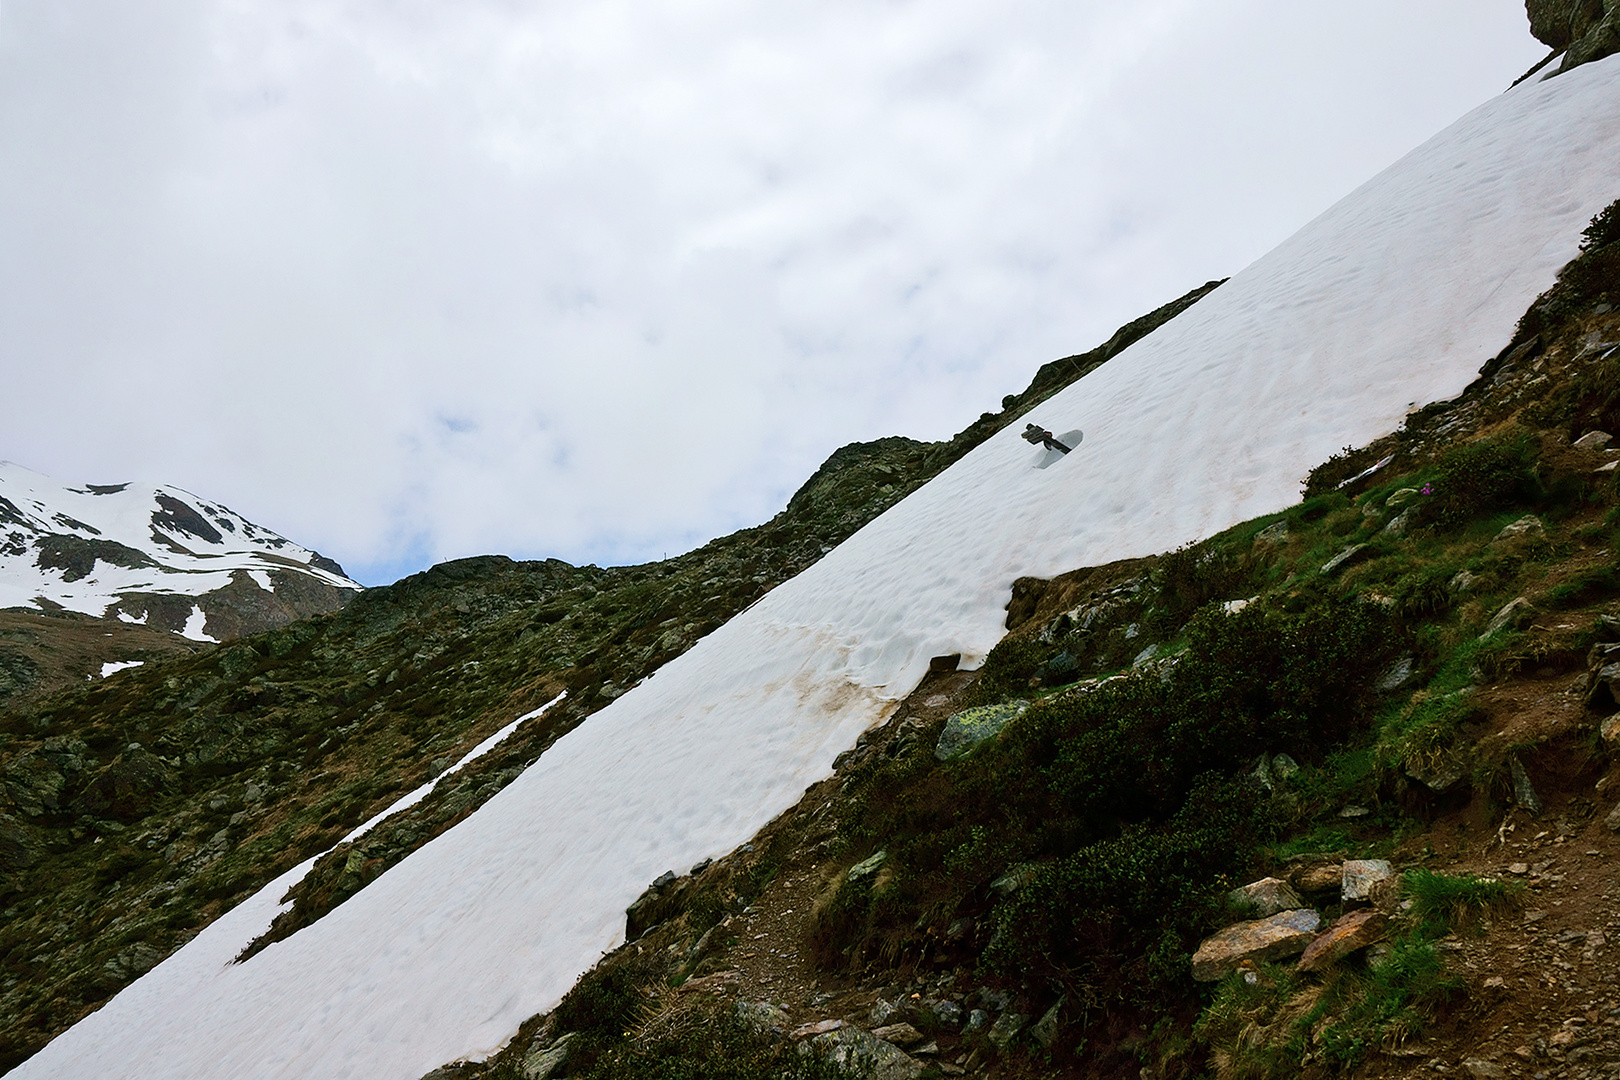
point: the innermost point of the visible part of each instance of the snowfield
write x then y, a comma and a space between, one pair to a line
1392, 298
147, 540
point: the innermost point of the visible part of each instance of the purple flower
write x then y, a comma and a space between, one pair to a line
1428, 489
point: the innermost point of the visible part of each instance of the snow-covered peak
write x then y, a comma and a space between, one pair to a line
160, 556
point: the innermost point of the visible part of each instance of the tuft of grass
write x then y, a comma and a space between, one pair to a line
1443, 903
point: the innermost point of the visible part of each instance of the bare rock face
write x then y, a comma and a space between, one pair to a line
1585, 30
1558, 24
1354, 931
1276, 938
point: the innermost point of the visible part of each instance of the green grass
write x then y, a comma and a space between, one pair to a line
1444, 903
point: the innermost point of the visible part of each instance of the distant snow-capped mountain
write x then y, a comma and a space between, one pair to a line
160, 556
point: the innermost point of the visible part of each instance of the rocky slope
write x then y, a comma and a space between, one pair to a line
135, 810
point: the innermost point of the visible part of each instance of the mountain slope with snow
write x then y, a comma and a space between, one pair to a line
161, 557
1393, 298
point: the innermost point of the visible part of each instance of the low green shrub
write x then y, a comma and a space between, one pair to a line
1477, 479
722, 1047
1591, 586
1131, 797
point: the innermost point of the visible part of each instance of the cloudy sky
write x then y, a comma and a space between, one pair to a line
407, 280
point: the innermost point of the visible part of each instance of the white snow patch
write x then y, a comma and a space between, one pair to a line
261, 578
124, 616
119, 665
1396, 295
194, 625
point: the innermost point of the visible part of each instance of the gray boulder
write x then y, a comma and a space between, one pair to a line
1044, 1030
544, 1062
1361, 876
1527, 527
1515, 613
970, 727
861, 1052
1352, 554
1266, 897
1593, 440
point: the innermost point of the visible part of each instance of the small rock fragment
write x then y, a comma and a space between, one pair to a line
1397, 676
1005, 1029
1524, 793
1272, 535
1044, 1030
867, 867
1480, 1069
819, 1027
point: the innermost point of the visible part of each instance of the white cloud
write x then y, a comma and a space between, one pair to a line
600, 279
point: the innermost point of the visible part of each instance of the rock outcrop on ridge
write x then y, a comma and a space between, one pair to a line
1582, 30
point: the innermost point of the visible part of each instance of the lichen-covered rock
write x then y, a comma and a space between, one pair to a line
1278, 937
1006, 1029
1438, 772
126, 788
867, 867
864, 1053
970, 727
544, 1062
1361, 876
1348, 933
